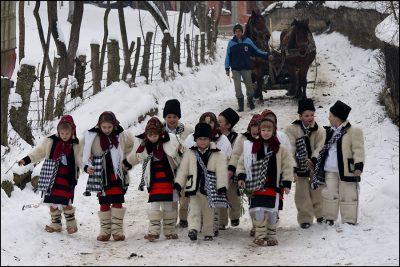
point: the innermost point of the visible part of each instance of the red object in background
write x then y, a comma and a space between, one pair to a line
8, 59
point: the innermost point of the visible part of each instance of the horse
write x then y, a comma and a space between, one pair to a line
298, 50
258, 32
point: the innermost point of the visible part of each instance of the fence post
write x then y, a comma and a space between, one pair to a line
146, 57
19, 117
49, 115
80, 68
196, 50
164, 45
5, 94
137, 54
189, 55
113, 62
94, 66
202, 47
58, 112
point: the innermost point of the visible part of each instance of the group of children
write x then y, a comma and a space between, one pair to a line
205, 170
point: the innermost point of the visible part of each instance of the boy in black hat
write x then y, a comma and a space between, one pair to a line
227, 119
172, 115
339, 166
201, 164
307, 139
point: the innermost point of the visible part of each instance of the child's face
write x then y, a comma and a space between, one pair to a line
172, 120
209, 122
254, 131
223, 124
65, 134
334, 121
153, 137
307, 117
106, 127
203, 142
266, 132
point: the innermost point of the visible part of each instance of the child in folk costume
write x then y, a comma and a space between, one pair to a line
58, 190
282, 136
158, 150
339, 166
252, 135
172, 115
265, 168
106, 145
203, 174
227, 119
221, 142
307, 139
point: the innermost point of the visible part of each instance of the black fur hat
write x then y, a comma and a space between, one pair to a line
305, 104
340, 110
202, 130
172, 106
231, 116
237, 26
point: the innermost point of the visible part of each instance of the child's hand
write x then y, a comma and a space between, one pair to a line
295, 177
357, 172
310, 164
90, 169
286, 190
125, 168
230, 174
21, 162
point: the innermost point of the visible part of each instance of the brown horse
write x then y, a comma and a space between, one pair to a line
298, 50
258, 32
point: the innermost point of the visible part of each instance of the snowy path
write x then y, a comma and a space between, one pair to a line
345, 73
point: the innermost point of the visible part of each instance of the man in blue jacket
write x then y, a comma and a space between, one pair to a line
238, 54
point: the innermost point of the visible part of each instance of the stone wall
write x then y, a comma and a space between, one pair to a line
357, 24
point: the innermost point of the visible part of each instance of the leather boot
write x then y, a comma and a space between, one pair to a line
250, 103
241, 104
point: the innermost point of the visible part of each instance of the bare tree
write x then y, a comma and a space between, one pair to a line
104, 45
184, 8
122, 26
66, 56
71, 5
155, 12
21, 22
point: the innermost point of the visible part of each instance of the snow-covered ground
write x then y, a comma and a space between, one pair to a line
344, 72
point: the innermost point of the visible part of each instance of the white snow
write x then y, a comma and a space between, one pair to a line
344, 72
388, 30
15, 100
27, 61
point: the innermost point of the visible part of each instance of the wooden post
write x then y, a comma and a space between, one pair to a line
49, 115
19, 117
189, 55
137, 54
95, 67
5, 94
113, 62
164, 45
202, 47
80, 68
196, 50
146, 57
172, 53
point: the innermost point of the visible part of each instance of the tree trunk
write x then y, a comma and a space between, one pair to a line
104, 45
5, 94
70, 11
113, 62
202, 47
155, 12
122, 26
164, 45
74, 36
49, 115
196, 50
189, 54
45, 46
19, 117
146, 57
178, 37
94, 65
21, 20
58, 112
